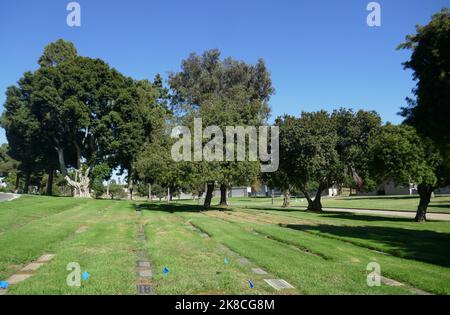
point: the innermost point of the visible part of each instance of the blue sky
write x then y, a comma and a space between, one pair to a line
321, 53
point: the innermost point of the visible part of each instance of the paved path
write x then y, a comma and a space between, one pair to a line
6, 197
403, 214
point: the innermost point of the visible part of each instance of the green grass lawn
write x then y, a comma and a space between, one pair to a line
441, 203
317, 253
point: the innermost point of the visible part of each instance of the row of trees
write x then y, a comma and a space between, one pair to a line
321, 150
80, 119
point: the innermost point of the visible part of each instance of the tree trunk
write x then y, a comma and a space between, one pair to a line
168, 195
150, 192
223, 196
308, 198
316, 204
50, 183
27, 182
286, 199
130, 183
16, 186
425, 192
273, 195
81, 183
209, 195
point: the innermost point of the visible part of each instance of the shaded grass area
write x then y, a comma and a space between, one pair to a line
441, 203
426, 276
310, 274
400, 237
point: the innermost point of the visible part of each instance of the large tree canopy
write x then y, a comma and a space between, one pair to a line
308, 153
398, 153
75, 112
70, 102
353, 130
319, 150
223, 93
429, 112
130, 122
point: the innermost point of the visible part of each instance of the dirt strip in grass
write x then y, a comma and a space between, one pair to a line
106, 250
144, 272
195, 264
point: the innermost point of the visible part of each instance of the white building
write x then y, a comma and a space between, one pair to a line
2, 183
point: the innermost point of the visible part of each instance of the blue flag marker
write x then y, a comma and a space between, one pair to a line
226, 261
165, 270
251, 284
4, 285
85, 275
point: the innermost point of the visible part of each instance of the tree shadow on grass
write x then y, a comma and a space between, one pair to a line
443, 206
175, 207
273, 208
362, 217
422, 245
387, 198
336, 214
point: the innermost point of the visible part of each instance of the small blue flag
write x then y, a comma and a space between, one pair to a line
4, 285
226, 261
251, 284
165, 270
85, 275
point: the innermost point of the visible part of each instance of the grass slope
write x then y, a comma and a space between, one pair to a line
317, 253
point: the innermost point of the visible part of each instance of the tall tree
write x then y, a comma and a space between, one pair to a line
353, 130
429, 112
319, 150
308, 151
54, 54
22, 129
69, 101
223, 93
398, 153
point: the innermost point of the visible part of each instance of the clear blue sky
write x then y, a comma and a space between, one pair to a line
321, 53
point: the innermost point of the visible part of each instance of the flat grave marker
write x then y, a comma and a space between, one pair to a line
279, 284
259, 271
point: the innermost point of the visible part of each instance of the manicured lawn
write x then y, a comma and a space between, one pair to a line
105, 250
316, 253
441, 203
